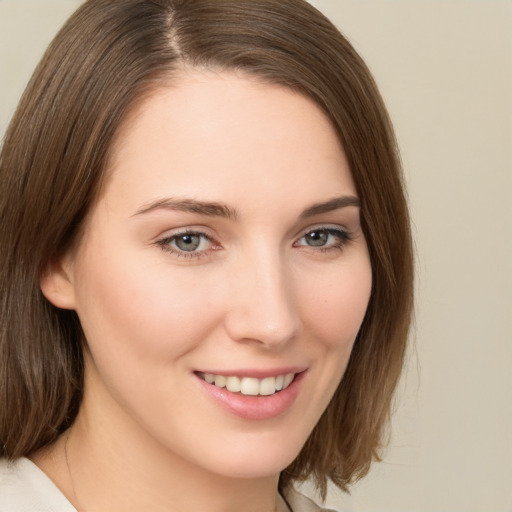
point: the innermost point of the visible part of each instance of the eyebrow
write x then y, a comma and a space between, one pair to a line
331, 205
214, 209
211, 209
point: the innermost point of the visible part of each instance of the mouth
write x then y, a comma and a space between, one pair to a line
249, 386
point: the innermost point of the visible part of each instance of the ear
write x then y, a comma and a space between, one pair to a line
57, 284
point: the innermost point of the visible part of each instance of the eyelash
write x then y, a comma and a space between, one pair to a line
343, 238
166, 247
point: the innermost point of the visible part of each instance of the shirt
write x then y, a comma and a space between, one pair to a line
26, 488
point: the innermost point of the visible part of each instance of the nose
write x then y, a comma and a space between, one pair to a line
262, 305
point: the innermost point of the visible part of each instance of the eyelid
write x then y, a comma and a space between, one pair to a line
164, 242
324, 227
345, 236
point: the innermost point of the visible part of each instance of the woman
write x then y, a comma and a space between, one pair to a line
207, 275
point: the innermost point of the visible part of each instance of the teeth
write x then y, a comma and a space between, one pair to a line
233, 384
287, 380
249, 385
268, 386
220, 381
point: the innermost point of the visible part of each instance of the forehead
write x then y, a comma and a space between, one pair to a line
212, 129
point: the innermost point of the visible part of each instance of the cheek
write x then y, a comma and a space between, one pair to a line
150, 310
335, 305
334, 310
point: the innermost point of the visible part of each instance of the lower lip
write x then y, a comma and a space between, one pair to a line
254, 407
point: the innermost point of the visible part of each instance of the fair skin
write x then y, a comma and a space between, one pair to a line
225, 244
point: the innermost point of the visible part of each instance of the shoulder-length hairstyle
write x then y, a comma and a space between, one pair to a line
110, 55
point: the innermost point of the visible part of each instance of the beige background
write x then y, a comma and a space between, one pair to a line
445, 70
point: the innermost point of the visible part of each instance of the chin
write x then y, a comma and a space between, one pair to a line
253, 459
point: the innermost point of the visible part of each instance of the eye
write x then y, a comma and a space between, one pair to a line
187, 243
324, 238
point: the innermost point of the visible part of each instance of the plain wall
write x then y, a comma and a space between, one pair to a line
445, 71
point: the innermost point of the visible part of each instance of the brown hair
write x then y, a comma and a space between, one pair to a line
110, 54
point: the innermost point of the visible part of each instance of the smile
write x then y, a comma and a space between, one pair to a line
249, 385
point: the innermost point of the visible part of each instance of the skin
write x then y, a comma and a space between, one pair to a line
254, 295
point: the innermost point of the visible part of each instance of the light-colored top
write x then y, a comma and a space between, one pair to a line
25, 488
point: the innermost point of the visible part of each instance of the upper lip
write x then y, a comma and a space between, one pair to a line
257, 373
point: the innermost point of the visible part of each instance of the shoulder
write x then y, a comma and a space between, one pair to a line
25, 488
297, 502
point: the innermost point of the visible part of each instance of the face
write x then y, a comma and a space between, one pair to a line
225, 250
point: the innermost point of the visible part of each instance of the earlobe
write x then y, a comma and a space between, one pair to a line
57, 285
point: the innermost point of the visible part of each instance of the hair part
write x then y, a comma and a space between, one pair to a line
109, 56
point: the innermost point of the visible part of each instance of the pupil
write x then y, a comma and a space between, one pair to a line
317, 238
188, 242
